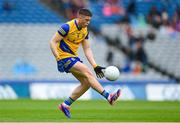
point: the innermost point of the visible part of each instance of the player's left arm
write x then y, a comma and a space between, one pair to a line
88, 52
89, 55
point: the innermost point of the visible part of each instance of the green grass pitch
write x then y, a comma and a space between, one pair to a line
25, 110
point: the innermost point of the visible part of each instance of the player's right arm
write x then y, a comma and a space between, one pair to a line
60, 34
54, 44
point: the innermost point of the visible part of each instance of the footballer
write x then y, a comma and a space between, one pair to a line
64, 46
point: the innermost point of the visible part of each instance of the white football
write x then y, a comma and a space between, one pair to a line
111, 73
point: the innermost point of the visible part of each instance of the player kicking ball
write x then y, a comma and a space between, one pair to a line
64, 46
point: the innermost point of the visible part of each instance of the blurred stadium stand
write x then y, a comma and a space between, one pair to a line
27, 28
28, 68
29, 11
164, 53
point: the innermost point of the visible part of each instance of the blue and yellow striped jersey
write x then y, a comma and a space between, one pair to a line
73, 36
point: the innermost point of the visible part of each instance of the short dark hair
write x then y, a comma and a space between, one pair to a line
85, 12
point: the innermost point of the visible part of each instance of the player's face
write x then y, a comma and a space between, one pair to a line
84, 20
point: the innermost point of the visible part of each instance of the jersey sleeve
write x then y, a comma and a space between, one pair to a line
63, 30
87, 36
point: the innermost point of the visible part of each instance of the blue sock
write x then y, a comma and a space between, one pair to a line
69, 101
105, 94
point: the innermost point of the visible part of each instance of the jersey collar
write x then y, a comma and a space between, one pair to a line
77, 25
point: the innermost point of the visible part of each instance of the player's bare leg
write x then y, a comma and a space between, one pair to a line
81, 89
78, 91
83, 71
85, 76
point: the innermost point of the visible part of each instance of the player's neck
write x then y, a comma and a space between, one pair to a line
78, 24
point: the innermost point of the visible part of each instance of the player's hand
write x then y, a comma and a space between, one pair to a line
99, 72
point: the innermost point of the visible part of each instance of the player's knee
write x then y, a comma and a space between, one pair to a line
86, 85
88, 74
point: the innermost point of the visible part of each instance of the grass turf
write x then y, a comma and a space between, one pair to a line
89, 111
